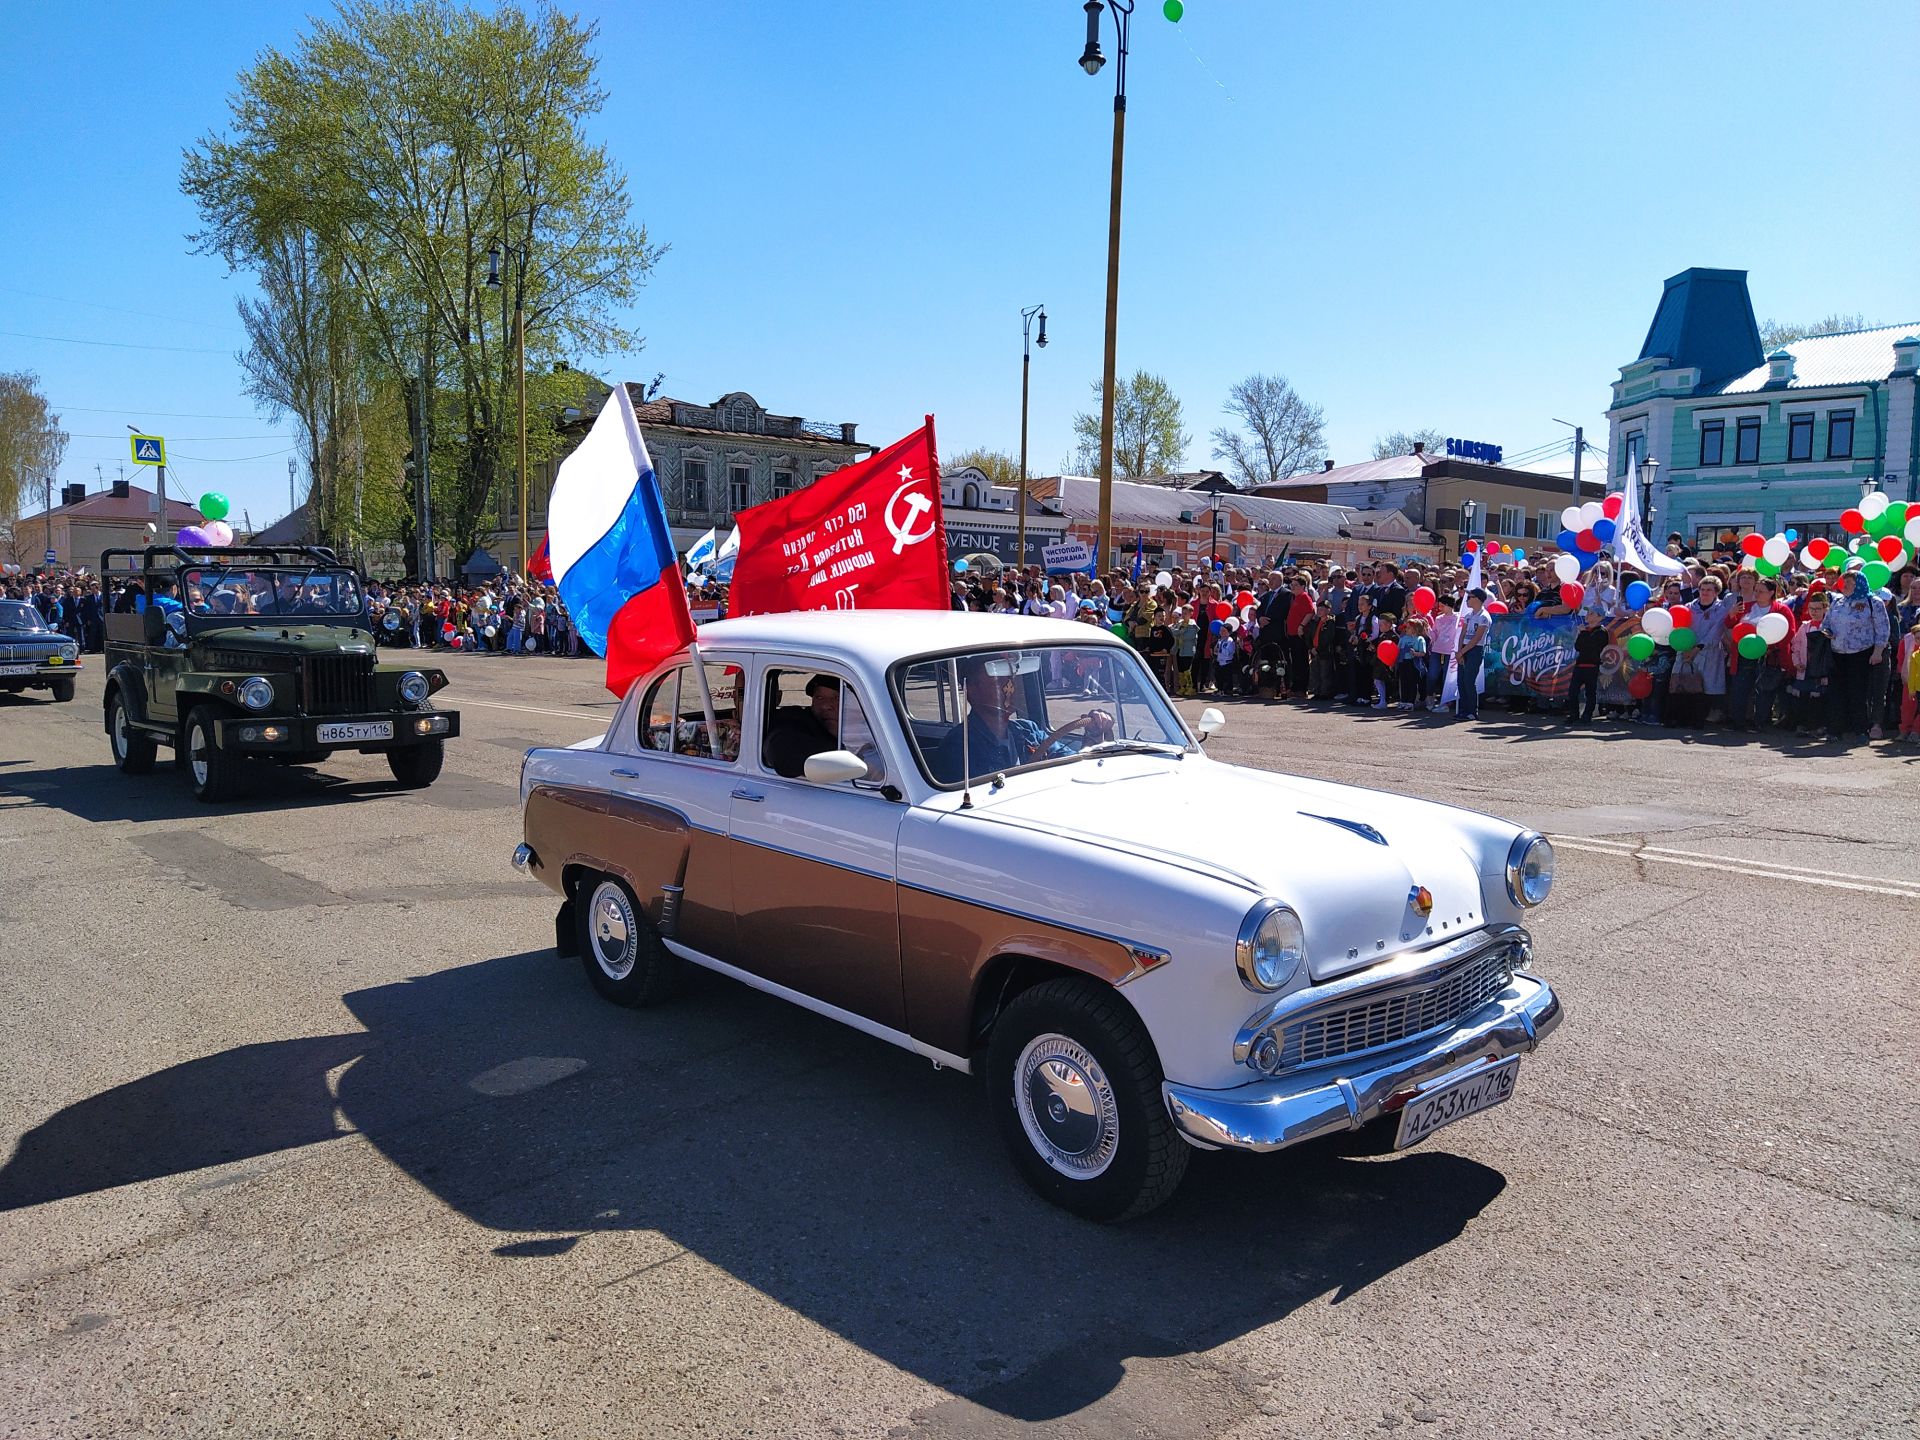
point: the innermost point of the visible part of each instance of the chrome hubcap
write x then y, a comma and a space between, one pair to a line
613, 932
119, 730
1066, 1106
197, 755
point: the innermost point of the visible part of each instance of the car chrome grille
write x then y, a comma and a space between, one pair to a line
1370, 1024
338, 684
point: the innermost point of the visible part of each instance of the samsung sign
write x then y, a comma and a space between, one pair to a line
1474, 450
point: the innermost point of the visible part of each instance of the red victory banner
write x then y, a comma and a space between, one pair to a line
869, 537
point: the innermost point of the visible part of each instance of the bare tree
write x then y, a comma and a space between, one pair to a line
1282, 434
1147, 438
1401, 442
1774, 333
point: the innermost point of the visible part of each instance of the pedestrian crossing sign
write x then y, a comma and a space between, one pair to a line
149, 450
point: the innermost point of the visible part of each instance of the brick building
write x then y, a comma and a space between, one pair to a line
78, 531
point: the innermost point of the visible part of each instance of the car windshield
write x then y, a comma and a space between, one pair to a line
214, 591
18, 615
1032, 706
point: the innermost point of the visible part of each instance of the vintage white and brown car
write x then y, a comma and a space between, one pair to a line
993, 841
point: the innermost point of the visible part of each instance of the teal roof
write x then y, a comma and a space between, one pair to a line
1705, 322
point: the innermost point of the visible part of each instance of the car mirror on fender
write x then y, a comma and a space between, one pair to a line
1211, 719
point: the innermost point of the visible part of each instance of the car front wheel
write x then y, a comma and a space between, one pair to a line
1075, 1085
133, 750
62, 688
417, 766
623, 956
215, 771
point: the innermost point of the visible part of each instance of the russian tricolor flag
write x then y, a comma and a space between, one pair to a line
612, 553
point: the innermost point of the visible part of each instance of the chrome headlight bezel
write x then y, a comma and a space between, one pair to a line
1271, 947
1529, 869
255, 692
414, 688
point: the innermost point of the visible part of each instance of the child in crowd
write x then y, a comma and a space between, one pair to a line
1441, 643
1413, 664
1589, 643
1385, 687
1808, 695
1186, 640
1909, 679
1226, 660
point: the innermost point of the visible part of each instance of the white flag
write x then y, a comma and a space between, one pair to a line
1630, 543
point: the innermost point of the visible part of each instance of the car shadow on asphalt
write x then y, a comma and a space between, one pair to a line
839, 1176
99, 793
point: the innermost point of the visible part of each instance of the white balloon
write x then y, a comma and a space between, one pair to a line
1658, 623
1571, 518
1776, 550
1871, 505
1806, 558
1913, 531
1163, 579
1771, 628
1566, 569
1590, 512
1231, 623
1896, 563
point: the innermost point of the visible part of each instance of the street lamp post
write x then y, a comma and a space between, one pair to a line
1090, 61
1469, 509
1648, 469
1026, 369
1214, 529
519, 254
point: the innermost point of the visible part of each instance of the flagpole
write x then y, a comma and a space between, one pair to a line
706, 699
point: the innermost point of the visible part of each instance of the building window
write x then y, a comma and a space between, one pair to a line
1840, 435
1548, 523
1513, 520
1799, 438
695, 488
782, 484
1635, 452
739, 488
1713, 442
1746, 442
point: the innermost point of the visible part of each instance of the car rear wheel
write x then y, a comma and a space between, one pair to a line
1075, 1086
215, 772
133, 750
62, 688
417, 766
623, 956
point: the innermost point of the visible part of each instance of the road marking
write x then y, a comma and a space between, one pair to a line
584, 719
1756, 869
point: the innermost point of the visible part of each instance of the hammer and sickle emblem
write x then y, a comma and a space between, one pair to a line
910, 499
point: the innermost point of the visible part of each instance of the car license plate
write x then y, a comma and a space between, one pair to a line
354, 730
16, 669
1456, 1099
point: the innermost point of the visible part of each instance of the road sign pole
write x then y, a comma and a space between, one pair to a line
160, 482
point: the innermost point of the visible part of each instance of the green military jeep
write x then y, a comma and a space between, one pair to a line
246, 653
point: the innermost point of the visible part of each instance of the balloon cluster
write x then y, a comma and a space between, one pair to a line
1886, 536
1585, 530
1497, 551
213, 529
1660, 626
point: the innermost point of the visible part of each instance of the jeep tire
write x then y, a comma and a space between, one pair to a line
62, 688
1075, 1088
622, 955
133, 750
417, 766
214, 771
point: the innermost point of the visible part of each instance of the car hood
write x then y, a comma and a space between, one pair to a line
1350, 861
306, 639
32, 642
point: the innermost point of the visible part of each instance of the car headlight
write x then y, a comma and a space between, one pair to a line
1529, 869
71, 652
1271, 947
413, 687
255, 692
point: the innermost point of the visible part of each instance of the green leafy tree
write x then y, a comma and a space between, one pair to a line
1147, 434
1401, 442
32, 444
438, 158
1279, 434
1774, 333
998, 466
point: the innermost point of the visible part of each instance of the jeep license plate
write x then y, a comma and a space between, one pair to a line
16, 669
341, 731
1456, 1099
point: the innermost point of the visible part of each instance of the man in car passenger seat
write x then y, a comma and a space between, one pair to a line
795, 732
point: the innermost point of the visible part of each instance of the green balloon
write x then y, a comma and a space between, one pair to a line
1882, 524
1766, 566
1173, 10
1878, 573
1120, 630
214, 505
1752, 647
1640, 647
1836, 558
1682, 638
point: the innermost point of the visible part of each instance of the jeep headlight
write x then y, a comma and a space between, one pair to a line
1529, 869
255, 692
1271, 947
413, 687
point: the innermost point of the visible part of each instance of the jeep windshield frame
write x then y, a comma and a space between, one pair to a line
279, 585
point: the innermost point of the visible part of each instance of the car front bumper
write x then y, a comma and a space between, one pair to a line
295, 733
1273, 1113
38, 671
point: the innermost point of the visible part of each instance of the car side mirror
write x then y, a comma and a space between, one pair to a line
834, 767
1210, 720
153, 624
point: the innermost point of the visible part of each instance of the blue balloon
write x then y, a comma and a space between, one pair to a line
960, 567
1638, 593
1567, 540
1603, 530
1587, 558
1793, 535
1116, 616
1518, 556
1214, 627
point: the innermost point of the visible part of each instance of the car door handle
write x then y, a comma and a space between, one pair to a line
753, 795
625, 774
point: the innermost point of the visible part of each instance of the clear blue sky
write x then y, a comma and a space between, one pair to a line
1445, 215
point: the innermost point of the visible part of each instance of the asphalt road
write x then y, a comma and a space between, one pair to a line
308, 1133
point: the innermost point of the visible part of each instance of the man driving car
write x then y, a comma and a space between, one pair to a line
996, 737
795, 732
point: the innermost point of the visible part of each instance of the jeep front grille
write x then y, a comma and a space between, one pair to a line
1369, 1024
337, 684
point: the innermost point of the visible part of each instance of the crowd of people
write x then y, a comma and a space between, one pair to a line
505, 615
1309, 631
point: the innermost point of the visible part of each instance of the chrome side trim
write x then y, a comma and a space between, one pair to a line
1145, 958
1410, 971
817, 859
820, 1007
1136, 948
1358, 827
670, 897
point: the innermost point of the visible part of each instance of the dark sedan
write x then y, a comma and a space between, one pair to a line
32, 656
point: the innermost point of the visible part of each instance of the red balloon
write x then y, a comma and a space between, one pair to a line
1572, 593
1387, 651
1818, 587
1818, 547
1639, 684
1682, 617
1891, 547
1422, 600
1610, 507
1753, 545
1587, 541
1243, 599
1853, 522
1221, 610
1742, 630
1472, 545
1496, 607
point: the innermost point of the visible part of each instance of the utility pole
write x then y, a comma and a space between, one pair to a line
423, 503
1026, 372
1579, 449
520, 366
292, 504
1090, 61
